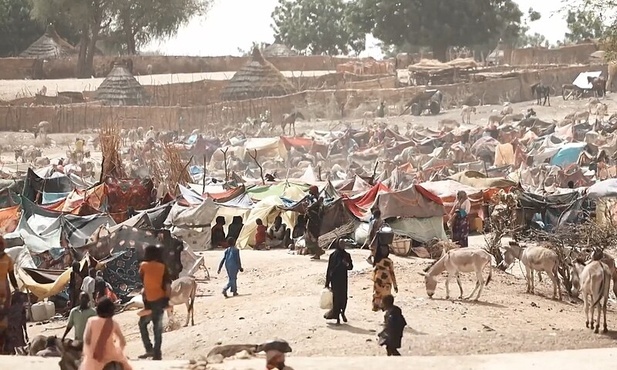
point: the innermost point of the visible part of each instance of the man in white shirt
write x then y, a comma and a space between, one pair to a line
88, 285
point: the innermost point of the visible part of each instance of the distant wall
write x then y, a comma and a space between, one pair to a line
572, 54
20, 68
314, 104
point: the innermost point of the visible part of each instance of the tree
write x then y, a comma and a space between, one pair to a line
583, 25
133, 22
435, 23
19, 30
140, 21
317, 27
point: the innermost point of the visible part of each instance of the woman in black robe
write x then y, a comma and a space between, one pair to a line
336, 279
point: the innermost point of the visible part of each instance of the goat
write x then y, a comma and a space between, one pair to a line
366, 116
601, 111
508, 118
595, 281
454, 262
466, 112
535, 259
447, 125
494, 119
507, 109
592, 103
578, 116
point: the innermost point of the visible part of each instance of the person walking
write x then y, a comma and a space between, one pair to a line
78, 317
383, 276
233, 265
156, 290
314, 215
75, 284
459, 219
336, 279
394, 324
103, 340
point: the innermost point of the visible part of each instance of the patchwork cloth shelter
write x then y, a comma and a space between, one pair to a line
192, 224
120, 87
258, 79
555, 210
49, 46
124, 248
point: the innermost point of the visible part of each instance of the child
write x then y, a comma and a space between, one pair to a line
231, 260
156, 281
260, 235
394, 323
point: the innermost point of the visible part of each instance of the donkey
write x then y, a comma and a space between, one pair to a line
454, 262
535, 259
595, 281
541, 91
183, 291
290, 119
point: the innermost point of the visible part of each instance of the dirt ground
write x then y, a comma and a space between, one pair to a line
279, 295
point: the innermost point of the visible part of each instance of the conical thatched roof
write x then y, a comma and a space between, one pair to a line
49, 46
121, 88
258, 79
278, 50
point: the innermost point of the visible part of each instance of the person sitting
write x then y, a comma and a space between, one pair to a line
260, 235
233, 231
300, 227
218, 234
51, 348
278, 234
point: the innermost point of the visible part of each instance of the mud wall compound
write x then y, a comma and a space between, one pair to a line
572, 54
314, 104
22, 68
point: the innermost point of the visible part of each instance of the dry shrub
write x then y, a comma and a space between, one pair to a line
110, 146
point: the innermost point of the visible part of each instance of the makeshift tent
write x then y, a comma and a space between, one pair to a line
266, 210
121, 88
35, 186
568, 154
258, 79
360, 204
192, 224
446, 190
555, 210
479, 180
413, 202
122, 194
284, 189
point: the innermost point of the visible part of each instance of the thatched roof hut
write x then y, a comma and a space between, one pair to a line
278, 50
121, 88
49, 46
258, 79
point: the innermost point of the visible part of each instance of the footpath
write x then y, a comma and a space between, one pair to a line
603, 358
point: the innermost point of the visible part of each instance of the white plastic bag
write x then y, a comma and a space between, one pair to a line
326, 300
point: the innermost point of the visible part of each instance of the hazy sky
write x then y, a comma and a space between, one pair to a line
233, 24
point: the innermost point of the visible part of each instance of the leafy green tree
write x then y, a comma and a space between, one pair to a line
140, 21
438, 24
583, 25
317, 27
19, 30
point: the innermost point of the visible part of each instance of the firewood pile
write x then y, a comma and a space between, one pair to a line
171, 170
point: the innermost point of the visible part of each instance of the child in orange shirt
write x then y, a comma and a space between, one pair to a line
156, 281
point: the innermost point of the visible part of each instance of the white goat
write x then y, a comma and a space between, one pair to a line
447, 124
466, 112
455, 262
595, 281
535, 259
601, 111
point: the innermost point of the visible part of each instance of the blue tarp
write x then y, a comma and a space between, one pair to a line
568, 154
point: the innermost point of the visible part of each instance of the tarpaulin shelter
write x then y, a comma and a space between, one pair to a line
283, 189
446, 190
568, 154
192, 224
35, 187
266, 210
555, 210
